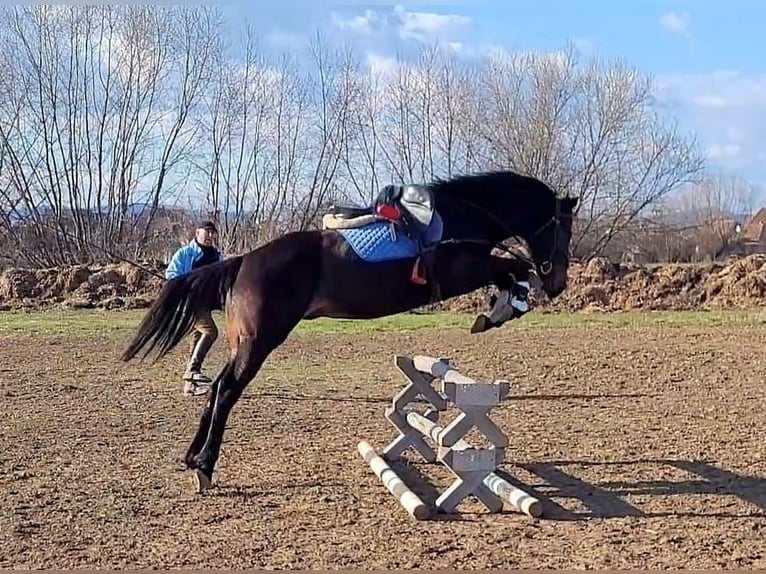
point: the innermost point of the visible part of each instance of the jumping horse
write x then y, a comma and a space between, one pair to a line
302, 275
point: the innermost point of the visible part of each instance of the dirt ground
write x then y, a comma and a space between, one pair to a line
644, 444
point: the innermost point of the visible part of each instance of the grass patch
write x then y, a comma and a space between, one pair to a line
701, 317
99, 322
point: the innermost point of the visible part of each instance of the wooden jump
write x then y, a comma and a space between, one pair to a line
474, 467
520, 500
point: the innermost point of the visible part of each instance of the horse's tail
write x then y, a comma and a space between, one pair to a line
180, 302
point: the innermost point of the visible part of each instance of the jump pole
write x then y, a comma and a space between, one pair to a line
395, 485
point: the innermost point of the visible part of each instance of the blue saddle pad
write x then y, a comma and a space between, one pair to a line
379, 241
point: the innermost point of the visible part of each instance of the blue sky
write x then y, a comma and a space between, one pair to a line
708, 57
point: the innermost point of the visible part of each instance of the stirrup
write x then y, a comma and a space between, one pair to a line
416, 276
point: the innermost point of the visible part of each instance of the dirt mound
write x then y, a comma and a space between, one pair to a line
602, 285
598, 285
82, 286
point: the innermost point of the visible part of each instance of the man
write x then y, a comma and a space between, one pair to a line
201, 250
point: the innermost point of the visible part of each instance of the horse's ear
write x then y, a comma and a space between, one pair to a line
570, 203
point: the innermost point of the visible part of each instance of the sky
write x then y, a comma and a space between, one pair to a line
707, 57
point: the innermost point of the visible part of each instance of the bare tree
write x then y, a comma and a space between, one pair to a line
194, 47
361, 156
589, 131
111, 115
454, 134
333, 91
91, 110
235, 124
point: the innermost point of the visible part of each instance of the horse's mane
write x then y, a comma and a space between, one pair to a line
491, 204
504, 184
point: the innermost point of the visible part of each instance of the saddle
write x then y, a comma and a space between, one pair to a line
408, 207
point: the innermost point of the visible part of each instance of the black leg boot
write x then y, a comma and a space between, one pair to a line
193, 375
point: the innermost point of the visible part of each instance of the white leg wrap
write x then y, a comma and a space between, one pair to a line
509, 306
521, 304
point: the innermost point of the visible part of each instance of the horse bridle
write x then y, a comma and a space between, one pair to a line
546, 267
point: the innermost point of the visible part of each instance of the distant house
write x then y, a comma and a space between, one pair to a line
754, 230
750, 237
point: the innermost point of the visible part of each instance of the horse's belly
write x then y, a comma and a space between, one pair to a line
351, 288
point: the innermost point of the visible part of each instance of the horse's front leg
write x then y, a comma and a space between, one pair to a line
512, 280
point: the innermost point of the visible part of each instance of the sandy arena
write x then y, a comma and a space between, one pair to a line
642, 443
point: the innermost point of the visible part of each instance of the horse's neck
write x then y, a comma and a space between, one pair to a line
480, 221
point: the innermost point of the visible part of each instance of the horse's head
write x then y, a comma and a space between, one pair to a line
549, 244
497, 206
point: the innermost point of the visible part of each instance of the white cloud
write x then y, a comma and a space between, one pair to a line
711, 101
383, 67
421, 26
584, 45
366, 23
722, 89
427, 25
678, 23
727, 110
717, 152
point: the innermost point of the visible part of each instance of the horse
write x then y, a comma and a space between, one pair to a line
302, 275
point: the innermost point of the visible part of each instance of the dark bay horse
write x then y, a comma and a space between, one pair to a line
265, 293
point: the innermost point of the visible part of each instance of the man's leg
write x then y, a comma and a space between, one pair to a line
205, 334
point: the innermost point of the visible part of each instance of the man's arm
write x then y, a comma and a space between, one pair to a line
179, 264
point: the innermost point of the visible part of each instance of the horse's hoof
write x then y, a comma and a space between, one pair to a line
200, 481
480, 325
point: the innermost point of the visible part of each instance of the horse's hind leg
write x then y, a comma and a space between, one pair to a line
204, 424
253, 346
266, 303
203, 429
251, 353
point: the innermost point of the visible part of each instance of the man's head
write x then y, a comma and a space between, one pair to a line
206, 233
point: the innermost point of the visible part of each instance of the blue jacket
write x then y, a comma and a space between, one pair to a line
182, 261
